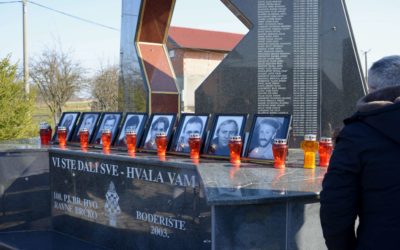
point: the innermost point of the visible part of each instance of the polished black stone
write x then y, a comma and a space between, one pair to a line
24, 189
120, 202
43, 240
227, 206
299, 58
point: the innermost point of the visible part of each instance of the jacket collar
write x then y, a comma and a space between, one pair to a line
379, 99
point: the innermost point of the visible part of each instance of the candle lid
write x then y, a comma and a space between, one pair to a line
194, 135
280, 141
62, 128
130, 131
44, 125
326, 139
107, 131
161, 134
236, 138
84, 130
310, 137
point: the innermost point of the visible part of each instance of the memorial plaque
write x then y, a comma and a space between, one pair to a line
123, 204
298, 58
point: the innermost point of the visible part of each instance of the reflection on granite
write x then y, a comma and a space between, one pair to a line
30, 143
225, 183
247, 183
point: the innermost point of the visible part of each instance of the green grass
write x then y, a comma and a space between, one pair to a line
42, 112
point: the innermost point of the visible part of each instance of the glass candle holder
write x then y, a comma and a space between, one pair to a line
106, 139
62, 136
279, 150
325, 151
130, 137
194, 145
45, 132
235, 148
161, 142
310, 147
84, 137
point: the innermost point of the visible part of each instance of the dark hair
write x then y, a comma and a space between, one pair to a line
227, 122
162, 120
271, 122
68, 118
194, 119
133, 121
384, 72
90, 116
110, 117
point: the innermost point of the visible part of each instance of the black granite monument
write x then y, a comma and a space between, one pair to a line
298, 58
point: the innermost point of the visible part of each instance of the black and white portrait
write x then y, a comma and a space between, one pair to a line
133, 121
88, 120
224, 127
68, 120
159, 123
109, 121
189, 124
264, 130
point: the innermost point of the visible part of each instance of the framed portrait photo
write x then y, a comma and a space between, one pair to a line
189, 124
264, 129
135, 121
109, 120
68, 120
224, 126
158, 123
88, 120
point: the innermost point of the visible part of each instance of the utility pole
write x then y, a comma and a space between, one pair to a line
366, 64
25, 50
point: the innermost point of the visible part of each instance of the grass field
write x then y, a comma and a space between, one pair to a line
42, 112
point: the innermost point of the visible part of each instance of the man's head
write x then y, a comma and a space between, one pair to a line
88, 122
266, 131
159, 125
384, 73
193, 126
68, 121
109, 122
227, 129
132, 123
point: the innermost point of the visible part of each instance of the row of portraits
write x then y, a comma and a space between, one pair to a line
257, 143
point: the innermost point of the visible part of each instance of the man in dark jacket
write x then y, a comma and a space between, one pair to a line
363, 178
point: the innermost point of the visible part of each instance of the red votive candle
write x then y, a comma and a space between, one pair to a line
84, 137
130, 136
194, 145
62, 136
279, 150
106, 138
45, 133
235, 148
161, 142
325, 151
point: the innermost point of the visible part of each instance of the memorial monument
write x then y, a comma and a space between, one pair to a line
299, 57
146, 71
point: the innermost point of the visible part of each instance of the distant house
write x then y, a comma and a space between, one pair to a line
194, 55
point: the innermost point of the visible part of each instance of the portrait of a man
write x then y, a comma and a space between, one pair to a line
68, 120
190, 125
226, 127
89, 121
265, 130
160, 123
110, 121
132, 122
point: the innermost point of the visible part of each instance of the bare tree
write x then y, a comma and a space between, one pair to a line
105, 89
58, 77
